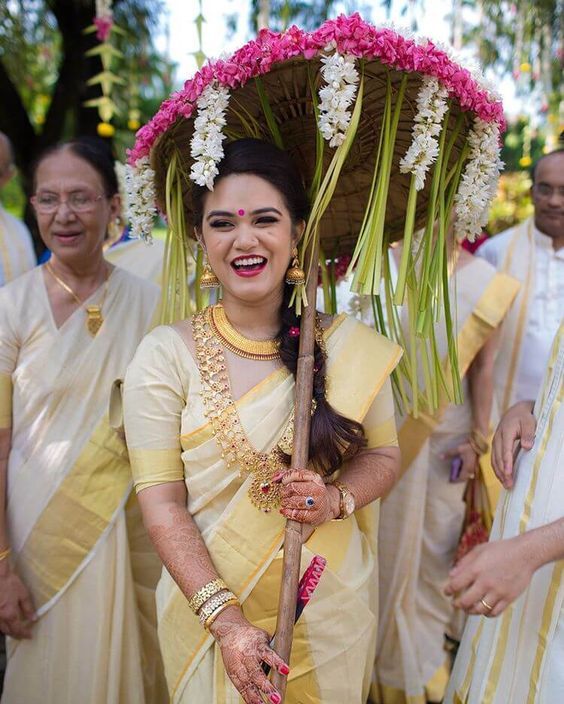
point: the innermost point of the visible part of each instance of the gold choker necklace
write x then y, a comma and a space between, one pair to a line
94, 317
261, 350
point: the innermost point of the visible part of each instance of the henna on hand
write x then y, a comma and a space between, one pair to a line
243, 649
297, 486
182, 550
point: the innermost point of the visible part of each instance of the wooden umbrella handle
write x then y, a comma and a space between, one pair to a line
300, 456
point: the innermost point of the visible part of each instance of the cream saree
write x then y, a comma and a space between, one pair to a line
421, 519
170, 439
68, 485
518, 657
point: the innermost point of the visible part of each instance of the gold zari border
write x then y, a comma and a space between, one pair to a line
76, 516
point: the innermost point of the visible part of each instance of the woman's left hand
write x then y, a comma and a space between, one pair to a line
492, 576
305, 497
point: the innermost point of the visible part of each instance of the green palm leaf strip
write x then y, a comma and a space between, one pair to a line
175, 293
368, 252
268, 114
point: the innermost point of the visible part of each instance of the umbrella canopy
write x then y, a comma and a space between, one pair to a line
390, 134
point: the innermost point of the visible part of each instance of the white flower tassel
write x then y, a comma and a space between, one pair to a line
206, 145
424, 148
478, 185
141, 198
341, 77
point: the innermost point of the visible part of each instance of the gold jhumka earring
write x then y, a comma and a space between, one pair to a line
208, 279
295, 274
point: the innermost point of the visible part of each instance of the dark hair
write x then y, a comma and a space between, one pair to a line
542, 158
94, 151
332, 435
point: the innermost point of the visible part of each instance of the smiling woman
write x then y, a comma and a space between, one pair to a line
69, 537
209, 415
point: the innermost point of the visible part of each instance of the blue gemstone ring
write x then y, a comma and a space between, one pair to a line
310, 501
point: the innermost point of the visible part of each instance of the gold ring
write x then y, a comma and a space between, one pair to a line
486, 605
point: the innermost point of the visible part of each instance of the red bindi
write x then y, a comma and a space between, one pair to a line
240, 211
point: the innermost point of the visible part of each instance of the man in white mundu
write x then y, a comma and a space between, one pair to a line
519, 575
16, 248
533, 253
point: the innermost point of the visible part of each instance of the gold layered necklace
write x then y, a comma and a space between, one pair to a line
222, 413
94, 318
260, 350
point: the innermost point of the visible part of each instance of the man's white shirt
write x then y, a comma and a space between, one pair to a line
545, 311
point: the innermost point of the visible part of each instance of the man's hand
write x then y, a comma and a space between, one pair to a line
492, 575
516, 430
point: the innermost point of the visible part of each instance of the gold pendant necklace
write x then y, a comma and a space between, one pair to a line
221, 411
94, 318
260, 350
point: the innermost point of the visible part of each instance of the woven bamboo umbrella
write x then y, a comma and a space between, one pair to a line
408, 93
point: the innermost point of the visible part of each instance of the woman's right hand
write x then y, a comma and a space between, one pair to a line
17, 614
244, 648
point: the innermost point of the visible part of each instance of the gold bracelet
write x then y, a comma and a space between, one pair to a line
4, 554
197, 600
211, 618
479, 443
215, 602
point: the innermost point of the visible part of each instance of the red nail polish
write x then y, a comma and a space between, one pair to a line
284, 670
275, 698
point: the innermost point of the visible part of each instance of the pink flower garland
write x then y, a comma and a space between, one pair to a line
349, 35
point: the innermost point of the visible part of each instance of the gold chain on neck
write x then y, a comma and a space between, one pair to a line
233, 340
221, 411
94, 318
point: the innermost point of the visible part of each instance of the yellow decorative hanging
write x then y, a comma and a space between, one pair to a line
104, 26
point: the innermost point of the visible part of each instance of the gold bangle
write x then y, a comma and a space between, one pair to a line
212, 604
197, 600
211, 618
4, 554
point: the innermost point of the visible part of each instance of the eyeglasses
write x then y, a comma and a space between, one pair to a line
543, 190
49, 203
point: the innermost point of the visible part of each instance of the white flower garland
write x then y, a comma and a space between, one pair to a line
141, 198
424, 148
336, 97
206, 145
478, 185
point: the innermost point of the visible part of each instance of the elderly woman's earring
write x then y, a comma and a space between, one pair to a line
295, 274
208, 279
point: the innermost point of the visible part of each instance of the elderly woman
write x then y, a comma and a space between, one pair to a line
209, 405
67, 330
